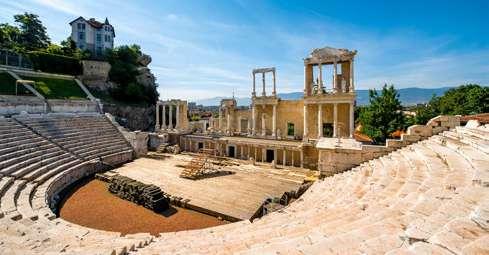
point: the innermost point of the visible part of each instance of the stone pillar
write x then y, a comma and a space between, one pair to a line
352, 86
248, 126
158, 124
170, 106
177, 118
335, 120
320, 83
263, 80
274, 92
253, 94
302, 158
220, 118
335, 71
352, 120
255, 154
242, 152
239, 125
228, 121
164, 116
284, 158
263, 155
305, 123
292, 158
274, 121
320, 120
305, 81
263, 125
253, 120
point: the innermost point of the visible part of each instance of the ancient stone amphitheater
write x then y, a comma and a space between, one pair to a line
429, 197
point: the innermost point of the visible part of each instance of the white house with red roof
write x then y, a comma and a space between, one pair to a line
92, 35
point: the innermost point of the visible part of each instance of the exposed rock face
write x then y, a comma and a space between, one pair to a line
137, 118
145, 77
144, 60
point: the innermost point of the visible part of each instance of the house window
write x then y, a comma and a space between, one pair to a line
81, 35
99, 51
99, 38
327, 129
81, 26
290, 129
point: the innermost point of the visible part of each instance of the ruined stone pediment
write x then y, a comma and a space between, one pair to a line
329, 55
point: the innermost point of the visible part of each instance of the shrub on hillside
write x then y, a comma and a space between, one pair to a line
53, 63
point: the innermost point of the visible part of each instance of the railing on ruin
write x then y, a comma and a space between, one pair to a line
14, 59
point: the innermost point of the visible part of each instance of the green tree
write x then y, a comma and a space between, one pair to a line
9, 36
383, 115
463, 100
33, 35
124, 70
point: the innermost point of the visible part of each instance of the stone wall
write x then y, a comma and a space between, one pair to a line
155, 140
95, 70
10, 105
57, 105
336, 160
138, 118
137, 139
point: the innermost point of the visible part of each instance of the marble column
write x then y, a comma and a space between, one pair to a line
242, 152
263, 80
239, 125
274, 92
255, 154
274, 121
302, 158
263, 125
254, 86
352, 86
177, 117
292, 163
158, 124
335, 120
284, 158
220, 119
263, 155
164, 117
320, 83
228, 121
320, 121
305, 123
253, 120
352, 120
335, 71
170, 106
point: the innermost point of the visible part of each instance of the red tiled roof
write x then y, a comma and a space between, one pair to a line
483, 118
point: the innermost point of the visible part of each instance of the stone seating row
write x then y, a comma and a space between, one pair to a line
29, 165
424, 198
89, 137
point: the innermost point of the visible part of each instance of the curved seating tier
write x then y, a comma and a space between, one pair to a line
89, 137
29, 165
429, 197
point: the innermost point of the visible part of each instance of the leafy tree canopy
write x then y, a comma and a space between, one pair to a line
383, 116
33, 35
463, 100
124, 70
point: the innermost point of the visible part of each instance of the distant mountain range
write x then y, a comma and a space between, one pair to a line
408, 96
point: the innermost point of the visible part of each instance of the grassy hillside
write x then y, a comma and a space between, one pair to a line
53, 88
7, 85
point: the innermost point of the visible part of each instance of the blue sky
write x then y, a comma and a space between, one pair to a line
202, 49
